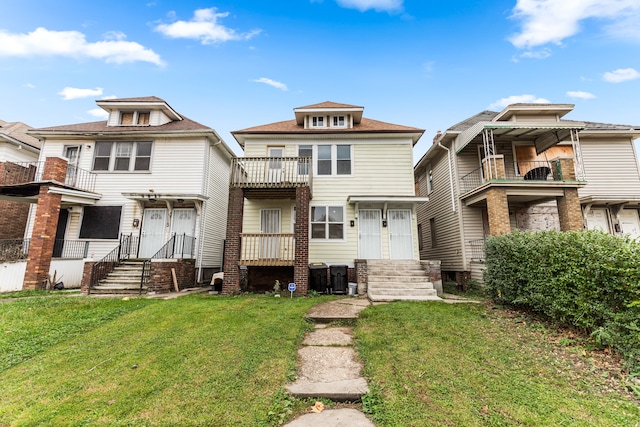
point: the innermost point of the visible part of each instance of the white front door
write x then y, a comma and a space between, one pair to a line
274, 169
152, 236
369, 235
597, 219
629, 222
183, 225
400, 234
270, 226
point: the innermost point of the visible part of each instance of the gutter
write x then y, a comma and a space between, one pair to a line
453, 199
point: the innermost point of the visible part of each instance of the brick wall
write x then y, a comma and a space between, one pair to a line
231, 282
435, 274
86, 277
569, 210
567, 170
498, 211
13, 219
301, 230
493, 167
161, 279
361, 276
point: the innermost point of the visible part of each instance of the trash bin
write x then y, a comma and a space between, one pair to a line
318, 277
339, 278
353, 288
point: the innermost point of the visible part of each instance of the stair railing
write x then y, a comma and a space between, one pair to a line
106, 265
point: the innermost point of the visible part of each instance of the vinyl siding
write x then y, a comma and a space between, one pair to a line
10, 153
611, 168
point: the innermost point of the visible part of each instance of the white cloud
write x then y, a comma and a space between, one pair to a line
29, 85
204, 27
75, 93
99, 113
551, 21
518, 99
43, 42
109, 97
536, 54
277, 85
377, 5
621, 75
580, 94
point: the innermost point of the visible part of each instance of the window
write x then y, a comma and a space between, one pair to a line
122, 153
338, 121
429, 181
100, 222
72, 152
327, 222
304, 151
333, 160
432, 230
420, 243
317, 121
133, 118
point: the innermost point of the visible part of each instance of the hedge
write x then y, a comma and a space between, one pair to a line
586, 279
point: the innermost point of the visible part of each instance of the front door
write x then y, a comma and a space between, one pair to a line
61, 231
369, 236
597, 219
630, 223
400, 234
274, 170
270, 227
184, 227
152, 235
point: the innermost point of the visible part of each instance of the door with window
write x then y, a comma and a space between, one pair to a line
400, 234
270, 230
369, 233
183, 226
629, 222
152, 234
72, 152
275, 164
597, 219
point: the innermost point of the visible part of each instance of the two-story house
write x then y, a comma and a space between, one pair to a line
328, 188
525, 168
146, 181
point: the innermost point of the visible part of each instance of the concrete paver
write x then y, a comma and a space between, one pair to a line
345, 417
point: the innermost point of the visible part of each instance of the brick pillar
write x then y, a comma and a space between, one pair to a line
564, 169
85, 286
231, 282
493, 167
44, 227
301, 230
361, 276
569, 210
498, 211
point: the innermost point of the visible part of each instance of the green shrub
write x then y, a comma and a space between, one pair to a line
586, 279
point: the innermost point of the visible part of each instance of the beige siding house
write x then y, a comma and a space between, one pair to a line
329, 188
146, 179
525, 168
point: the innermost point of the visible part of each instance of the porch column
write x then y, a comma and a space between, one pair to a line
231, 281
498, 211
569, 210
301, 230
44, 227
493, 167
564, 169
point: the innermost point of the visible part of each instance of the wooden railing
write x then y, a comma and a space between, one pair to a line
267, 249
271, 172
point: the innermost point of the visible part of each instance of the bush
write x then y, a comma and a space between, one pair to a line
586, 279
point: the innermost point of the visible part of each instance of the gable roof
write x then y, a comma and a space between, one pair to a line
184, 125
16, 133
327, 104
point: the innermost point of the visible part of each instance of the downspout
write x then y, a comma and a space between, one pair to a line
453, 197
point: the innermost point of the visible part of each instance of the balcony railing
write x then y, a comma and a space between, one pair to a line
16, 173
518, 171
267, 249
18, 249
14, 249
271, 172
70, 249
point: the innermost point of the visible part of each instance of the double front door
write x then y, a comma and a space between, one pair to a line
154, 226
399, 233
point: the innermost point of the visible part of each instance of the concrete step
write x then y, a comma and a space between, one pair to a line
403, 291
396, 272
116, 290
400, 285
382, 298
394, 278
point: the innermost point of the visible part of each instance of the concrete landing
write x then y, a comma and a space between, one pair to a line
334, 311
333, 418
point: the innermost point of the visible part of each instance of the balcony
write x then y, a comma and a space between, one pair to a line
19, 178
271, 172
267, 249
531, 173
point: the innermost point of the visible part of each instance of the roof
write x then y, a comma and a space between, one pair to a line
328, 104
484, 116
16, 132
101, 127
609, 126
136, 99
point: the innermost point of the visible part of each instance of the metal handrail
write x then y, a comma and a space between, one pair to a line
514, 171
106, 265
16, 173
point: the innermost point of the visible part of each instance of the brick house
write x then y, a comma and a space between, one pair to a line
321, 200
527, 168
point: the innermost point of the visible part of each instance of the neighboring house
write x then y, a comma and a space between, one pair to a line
16, 147
328, 188
132, 182
523, 168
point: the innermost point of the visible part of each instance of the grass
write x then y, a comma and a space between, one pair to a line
196, 360
201, 360
468, 365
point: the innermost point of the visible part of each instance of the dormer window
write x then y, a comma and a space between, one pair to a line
317, 121
338, 121
134, 118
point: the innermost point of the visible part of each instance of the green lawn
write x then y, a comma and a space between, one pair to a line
468, 365
205, 360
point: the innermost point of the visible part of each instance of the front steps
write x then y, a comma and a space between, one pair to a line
398, 280
123, 280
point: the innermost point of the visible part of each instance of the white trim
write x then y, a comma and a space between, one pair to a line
328, 205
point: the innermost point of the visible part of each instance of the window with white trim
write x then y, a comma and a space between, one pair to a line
304, 151
317, 121
333, 160
134, 118
122, 156
338, 121
327, 222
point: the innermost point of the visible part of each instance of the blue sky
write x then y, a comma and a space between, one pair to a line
236, 64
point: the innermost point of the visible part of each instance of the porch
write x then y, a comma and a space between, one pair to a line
23, 179
267, 249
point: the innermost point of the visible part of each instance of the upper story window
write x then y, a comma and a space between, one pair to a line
304, 151
338, 121
133, 118
317, 121
122, 156
333, 160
